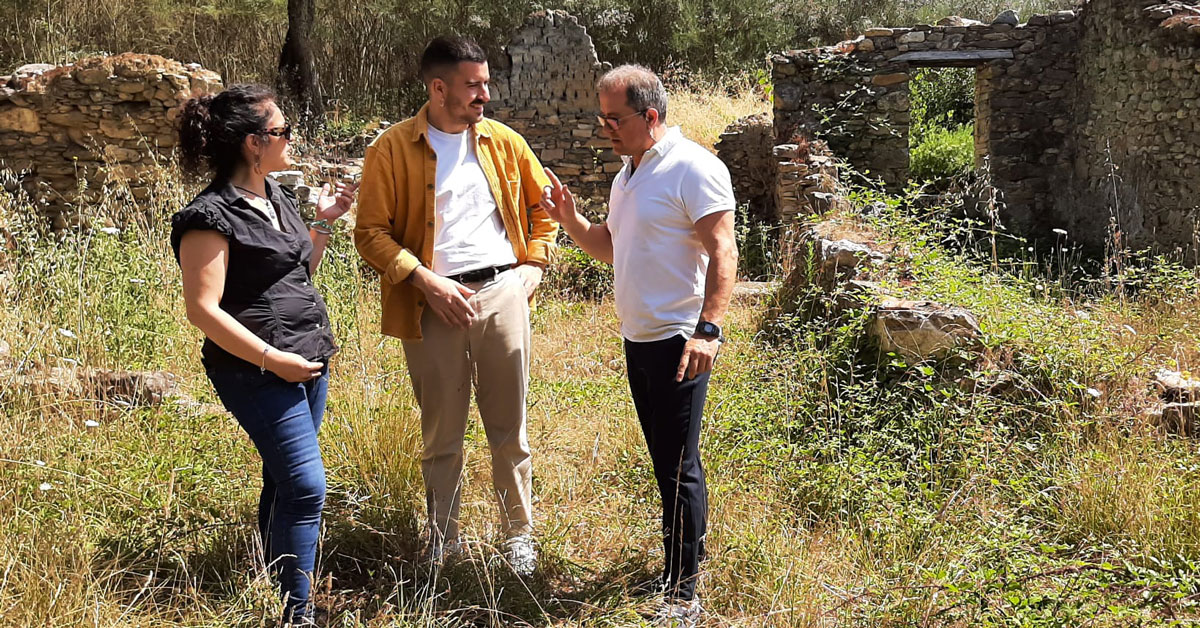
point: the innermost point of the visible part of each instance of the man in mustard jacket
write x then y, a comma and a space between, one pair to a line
448, 214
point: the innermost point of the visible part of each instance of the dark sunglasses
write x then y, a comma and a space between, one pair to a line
284, 131
612, 123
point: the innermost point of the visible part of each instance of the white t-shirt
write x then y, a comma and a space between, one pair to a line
468, 230
658, 260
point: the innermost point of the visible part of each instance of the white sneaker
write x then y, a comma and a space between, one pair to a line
521, 554
678, 614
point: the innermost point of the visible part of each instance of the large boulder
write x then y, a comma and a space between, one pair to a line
923, 330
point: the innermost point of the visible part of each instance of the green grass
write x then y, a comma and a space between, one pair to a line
847, 488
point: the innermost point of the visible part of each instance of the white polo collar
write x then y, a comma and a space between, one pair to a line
661, 147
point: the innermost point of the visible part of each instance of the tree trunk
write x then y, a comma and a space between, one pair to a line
298, 79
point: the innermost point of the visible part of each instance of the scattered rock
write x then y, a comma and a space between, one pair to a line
1007, 17
142, 388
126, 388
921, 330
833, 262
754, 288
289, 178
954, 20
1176, 387
856, 294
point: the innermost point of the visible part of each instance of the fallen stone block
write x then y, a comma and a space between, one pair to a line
923, 330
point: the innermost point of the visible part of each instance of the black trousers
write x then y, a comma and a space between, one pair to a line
669, 412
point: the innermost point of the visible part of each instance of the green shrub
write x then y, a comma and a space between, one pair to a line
943, 153
576, 275
940, 98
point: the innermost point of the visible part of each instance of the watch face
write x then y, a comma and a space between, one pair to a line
708, 329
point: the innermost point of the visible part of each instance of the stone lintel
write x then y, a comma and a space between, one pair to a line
952, 58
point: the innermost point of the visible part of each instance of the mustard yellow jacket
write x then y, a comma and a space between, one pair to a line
394, 227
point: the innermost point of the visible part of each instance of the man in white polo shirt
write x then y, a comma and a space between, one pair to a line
669, 236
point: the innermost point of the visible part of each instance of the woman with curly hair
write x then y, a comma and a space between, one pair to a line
247, 261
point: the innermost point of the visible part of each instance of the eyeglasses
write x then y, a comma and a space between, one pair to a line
284, 131
612, 123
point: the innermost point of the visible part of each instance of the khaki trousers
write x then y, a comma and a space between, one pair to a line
495, 350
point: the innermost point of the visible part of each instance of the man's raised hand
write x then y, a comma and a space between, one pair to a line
557, 200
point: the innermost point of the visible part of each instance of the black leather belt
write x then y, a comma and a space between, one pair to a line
482, 274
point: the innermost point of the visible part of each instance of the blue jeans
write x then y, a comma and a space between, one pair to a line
282, 420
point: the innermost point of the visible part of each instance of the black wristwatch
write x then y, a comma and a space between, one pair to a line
705, 328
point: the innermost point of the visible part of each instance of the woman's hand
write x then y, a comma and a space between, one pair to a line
331, 206
292, 367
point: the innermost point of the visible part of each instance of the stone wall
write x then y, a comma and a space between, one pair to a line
547, 93
74, 128
856, 95
806, 180
861, 110
1138, 116
1062, 102
751, 168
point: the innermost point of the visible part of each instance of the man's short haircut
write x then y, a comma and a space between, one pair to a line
444, 53
643, 90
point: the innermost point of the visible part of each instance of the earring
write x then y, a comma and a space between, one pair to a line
258, 164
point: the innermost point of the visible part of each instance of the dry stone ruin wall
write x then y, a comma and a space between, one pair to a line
72, 129
751, 168
856, 95
548, 95
1060, 101
1137, 124
862, 110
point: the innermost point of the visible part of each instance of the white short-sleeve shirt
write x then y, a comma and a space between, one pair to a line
659, 262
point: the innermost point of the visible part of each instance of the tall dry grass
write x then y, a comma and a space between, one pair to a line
703, 110
846, 488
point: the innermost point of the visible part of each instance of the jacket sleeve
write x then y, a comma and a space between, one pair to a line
543, 231
378, 204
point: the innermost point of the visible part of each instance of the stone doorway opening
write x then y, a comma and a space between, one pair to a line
938, 101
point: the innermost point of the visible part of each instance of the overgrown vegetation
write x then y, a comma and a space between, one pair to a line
1021, 486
